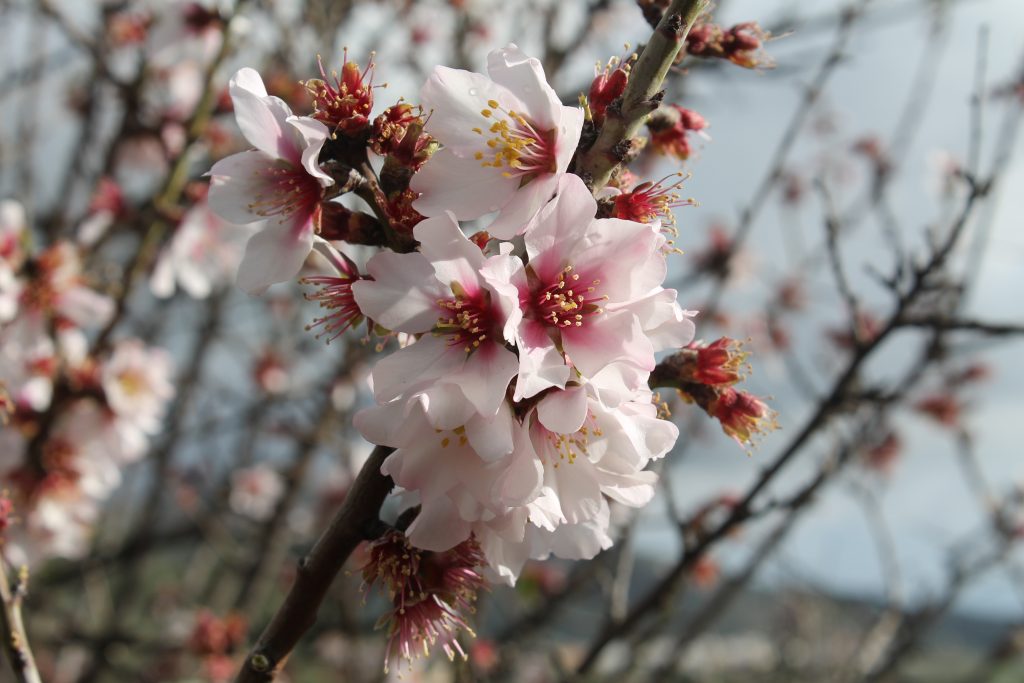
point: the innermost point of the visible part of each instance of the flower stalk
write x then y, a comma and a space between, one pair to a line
643, 92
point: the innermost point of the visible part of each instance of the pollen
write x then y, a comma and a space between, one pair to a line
466, 319
516, 145
564, 304
568, 447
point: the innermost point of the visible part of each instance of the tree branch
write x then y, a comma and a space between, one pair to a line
642, 94
352, 524
16, 646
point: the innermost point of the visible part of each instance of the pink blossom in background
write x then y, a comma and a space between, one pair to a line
255, 491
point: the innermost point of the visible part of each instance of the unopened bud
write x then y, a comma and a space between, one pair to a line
343, 106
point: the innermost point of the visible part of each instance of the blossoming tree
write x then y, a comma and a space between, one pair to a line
512, 366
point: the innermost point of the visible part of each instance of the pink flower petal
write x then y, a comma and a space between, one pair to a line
607, 338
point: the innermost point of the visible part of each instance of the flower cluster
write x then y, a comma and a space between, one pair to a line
742, 44
518, 406
429, 593
60, 465
517, 403
704, 374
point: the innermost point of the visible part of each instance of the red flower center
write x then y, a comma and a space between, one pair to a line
566, 302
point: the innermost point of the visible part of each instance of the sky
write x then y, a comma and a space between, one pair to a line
925, 501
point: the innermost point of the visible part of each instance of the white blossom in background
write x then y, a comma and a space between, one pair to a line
10, 293
12, 231
202, 256
82, 461
137, 382
255, 491
28, 362
183, 30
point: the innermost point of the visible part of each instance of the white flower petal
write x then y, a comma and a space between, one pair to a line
521, 211
464, 187
564, 411
524, 76
485, 376
312, 136
403, 294
453, 256
275, 254
235, 184
455, 99
262, 118
491, 437
438, 526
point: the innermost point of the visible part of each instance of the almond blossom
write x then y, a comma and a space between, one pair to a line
462, 473
507, 140
28, 362
137, 384
440, 290
590, 294
203, 254
255, 491
589, 451
279, 183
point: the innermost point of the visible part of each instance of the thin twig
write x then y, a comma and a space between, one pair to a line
16, 645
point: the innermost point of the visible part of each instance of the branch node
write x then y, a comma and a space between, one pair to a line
260, 662
673, 26
621, 150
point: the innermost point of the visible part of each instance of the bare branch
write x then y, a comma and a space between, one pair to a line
354, 522
641, 96
16, 646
